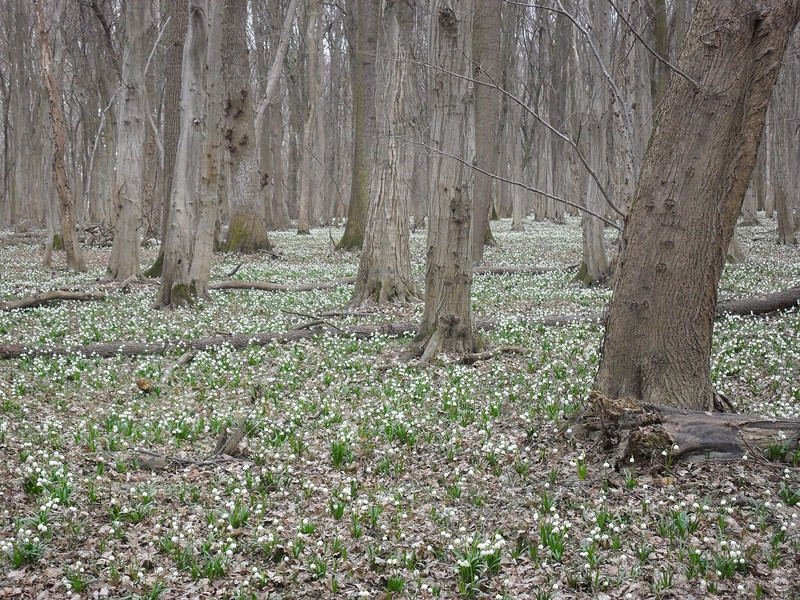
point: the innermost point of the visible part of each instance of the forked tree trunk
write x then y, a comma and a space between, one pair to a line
384, 272
447, 321
658, 336
124, 260
177, 288
73, 249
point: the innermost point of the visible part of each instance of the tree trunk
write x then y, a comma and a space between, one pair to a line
312, 45
658, 336
176, 287
486, 49
178, 15
247, 231
447, 321
363, 42
207, 204
384, 272
73, 249
124, 260
595, 267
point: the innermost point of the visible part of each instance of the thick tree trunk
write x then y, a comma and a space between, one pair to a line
384, 272
363, 42
179, 18
73, 249
447, 321
247, 230
176, 287
124, 260
658, 337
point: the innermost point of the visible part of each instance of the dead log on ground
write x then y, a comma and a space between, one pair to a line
238, 284
237, 341
642, 431
520, 270
761, 305
52, 296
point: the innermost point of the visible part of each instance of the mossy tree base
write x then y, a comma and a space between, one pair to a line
583, 276
246, 234
155, 270
382, 289
351, 241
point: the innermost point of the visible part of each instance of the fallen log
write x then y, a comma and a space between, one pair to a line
237, 341
761, 305
656, 435
52, 296
238, 284
520, 270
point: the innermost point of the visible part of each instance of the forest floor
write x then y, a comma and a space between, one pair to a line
364, 477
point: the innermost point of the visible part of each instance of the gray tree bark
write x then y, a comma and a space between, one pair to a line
176, 287
384, 271
124, 260
363, 42
448, 323
486, 70
74, 255
247, 231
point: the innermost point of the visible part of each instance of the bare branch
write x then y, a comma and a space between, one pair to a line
562, 136
156, 135
650, 50
515, 183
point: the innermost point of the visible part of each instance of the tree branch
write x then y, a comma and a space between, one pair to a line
515, 183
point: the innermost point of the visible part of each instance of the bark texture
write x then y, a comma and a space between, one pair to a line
179, 17
447, 321
486, 49
643, 432
312, 43
74, 255
363, 42
176, 286
124, 260
247, 230
384, 271
696, 171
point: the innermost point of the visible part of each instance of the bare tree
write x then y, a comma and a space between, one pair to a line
247, 231
704, 144
312, 45
74, 255
486, 55
177, 287
124, 260
447, 322
384, 272
363, 42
